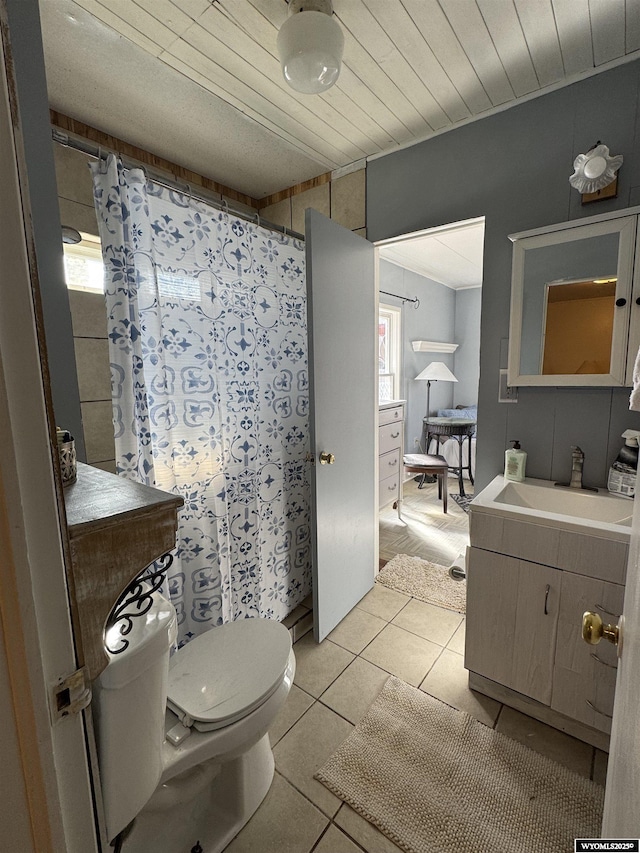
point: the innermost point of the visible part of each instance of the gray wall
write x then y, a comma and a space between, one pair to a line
467, 357
513, 168
442, 316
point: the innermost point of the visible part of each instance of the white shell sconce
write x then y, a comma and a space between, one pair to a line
595, 170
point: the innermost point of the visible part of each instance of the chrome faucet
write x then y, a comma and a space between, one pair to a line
577, 463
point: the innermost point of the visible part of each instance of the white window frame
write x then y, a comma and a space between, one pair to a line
88, 249
394, 314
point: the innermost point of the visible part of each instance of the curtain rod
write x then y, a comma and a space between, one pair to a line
403, 298
201, 194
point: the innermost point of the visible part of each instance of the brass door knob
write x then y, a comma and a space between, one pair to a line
327, 458
594, 629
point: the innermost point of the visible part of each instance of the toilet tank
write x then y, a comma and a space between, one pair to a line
129, 700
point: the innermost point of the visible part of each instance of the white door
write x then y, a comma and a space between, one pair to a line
342, 310
622, 800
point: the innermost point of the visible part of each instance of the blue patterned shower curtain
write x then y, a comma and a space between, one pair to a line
208, 347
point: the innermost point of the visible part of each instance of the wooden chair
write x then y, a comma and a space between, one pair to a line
426, 463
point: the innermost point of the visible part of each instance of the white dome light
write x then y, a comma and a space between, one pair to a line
310, 44
595, 170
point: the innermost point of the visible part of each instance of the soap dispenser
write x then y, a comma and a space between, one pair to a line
515, 460
622, 474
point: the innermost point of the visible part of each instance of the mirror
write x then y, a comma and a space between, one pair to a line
570, 299
578, 328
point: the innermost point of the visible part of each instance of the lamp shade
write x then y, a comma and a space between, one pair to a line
310, 45
435, 371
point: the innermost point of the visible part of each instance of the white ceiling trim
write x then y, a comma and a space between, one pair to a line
430, 232
351, 167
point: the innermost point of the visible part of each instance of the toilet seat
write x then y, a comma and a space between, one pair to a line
227, 672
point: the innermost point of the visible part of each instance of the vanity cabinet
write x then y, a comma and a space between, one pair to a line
390, 453
575, 303
528, 585
512, 624
584, 677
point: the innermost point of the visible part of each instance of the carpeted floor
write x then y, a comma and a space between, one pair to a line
434, 780
424, 580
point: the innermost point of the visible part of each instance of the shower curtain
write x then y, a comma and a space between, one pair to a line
208, 349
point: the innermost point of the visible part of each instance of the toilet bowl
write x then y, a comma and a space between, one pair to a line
183, 746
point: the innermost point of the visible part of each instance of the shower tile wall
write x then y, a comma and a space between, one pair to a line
88, 314
342, 199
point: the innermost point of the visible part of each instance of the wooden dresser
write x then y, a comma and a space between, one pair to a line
390, 452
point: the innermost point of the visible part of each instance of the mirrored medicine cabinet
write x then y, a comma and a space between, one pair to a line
575, 303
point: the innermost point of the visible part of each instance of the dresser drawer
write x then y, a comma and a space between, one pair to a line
390, 416
388, 489
388, 464
390, 437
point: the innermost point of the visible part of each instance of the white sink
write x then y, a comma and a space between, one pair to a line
540, 501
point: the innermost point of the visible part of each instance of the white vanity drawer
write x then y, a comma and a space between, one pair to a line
388, 464
388, 489
389, 416
390, 450
390, 437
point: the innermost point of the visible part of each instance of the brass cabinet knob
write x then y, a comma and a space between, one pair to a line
327, 458
594, 629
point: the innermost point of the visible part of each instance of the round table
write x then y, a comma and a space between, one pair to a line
458, 428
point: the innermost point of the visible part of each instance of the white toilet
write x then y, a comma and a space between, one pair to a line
183, 745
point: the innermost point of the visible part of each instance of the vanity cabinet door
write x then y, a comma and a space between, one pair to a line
512, 617
584, 676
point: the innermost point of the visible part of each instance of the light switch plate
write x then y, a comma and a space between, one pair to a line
506, 393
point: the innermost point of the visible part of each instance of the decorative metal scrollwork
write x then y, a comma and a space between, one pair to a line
135, 601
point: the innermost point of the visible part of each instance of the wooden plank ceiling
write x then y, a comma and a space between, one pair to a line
411, 67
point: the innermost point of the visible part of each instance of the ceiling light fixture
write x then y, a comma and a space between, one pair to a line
310, 44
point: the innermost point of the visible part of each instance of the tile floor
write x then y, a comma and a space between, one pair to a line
336, 682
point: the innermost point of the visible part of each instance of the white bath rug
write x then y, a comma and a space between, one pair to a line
434, 780
426, 581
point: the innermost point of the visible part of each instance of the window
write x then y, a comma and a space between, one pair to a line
176, 287
83, 264
84, 270
389, 358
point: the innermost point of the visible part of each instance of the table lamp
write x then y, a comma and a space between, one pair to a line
434, 372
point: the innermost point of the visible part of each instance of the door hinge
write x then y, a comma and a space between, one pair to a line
70, 695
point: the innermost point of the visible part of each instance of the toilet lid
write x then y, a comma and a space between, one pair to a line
226, 673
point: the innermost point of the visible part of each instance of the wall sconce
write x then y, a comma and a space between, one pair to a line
310, 44
70, 235
594, 171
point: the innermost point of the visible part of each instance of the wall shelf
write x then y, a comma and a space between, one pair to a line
433, 346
